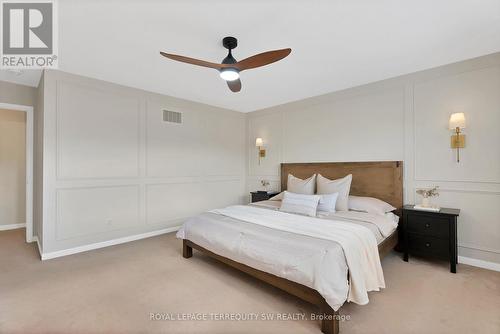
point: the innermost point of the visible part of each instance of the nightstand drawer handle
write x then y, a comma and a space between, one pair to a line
427, 225
427, 244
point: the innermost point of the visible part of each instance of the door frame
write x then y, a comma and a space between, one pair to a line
29, 164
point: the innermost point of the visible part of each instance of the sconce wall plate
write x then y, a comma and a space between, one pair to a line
458, 141
262, 153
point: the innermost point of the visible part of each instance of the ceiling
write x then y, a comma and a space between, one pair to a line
336, 44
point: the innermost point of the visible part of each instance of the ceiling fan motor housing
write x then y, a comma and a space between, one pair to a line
229, 42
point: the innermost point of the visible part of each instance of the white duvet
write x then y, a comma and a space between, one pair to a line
314, 252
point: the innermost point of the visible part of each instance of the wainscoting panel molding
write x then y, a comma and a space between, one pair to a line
113, 208
114, 171
476, 93
97, 132
364, 123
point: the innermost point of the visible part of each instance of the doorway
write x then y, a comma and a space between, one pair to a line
16, 168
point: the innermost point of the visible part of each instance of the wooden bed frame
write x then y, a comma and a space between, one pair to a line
382, 180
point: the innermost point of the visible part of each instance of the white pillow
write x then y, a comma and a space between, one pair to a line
299, 186
370, 205
341, 186
300, 203
327, 202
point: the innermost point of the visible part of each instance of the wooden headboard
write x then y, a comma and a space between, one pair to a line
379, 179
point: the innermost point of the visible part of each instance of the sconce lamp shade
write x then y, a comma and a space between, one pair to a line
457, 120
259, 142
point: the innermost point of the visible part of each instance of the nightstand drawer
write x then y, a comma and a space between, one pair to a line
258, 196
427, 225
425, 245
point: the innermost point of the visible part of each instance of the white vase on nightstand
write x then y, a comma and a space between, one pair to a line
425, 202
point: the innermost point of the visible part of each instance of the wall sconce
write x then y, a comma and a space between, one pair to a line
260, 144
457, 123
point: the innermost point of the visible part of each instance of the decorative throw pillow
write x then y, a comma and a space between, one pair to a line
300, 203
299, 186
327, 202
341, 186
370, 205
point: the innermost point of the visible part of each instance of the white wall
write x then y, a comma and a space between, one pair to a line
112, 168
404, 118
12, 167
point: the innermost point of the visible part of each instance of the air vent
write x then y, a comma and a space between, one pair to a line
172, 116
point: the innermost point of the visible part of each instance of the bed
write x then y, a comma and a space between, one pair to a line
303, 264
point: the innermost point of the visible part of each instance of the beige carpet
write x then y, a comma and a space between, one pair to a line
114, 290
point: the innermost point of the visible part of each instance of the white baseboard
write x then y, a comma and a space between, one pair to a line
51, 255
479, 263
32, 238
35, 239
85, 248
11, 227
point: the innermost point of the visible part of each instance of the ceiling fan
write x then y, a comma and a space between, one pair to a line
230, 68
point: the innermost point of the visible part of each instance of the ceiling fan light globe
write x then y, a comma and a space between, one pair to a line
229, 74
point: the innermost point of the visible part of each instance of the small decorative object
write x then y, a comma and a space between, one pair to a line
457, 124
265, 184
426, 195
259, 143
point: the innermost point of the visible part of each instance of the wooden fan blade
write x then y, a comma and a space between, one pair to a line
234, 86
193, 61
262, 59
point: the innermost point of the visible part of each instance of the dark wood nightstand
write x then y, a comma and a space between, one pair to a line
258, 196
431, 234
